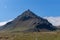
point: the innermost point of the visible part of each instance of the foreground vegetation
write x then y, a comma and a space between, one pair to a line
30, 36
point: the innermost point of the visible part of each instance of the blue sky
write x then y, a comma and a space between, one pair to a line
10, 9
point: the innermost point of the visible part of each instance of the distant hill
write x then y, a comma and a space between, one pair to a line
28, 22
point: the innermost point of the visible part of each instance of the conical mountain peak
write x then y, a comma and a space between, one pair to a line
28, 13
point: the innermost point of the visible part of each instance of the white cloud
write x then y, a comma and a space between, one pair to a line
54, 20
3, 23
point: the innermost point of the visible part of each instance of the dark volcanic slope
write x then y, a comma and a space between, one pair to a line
29, 22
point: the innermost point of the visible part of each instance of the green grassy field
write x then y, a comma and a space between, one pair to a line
30, 36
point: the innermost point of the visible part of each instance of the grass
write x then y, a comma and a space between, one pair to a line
30, 36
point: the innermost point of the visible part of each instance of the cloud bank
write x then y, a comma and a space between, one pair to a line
54, 20
3, 23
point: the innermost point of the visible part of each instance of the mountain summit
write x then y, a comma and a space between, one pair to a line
28, 13
28, 22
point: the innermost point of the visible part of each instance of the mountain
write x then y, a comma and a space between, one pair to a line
28, 22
